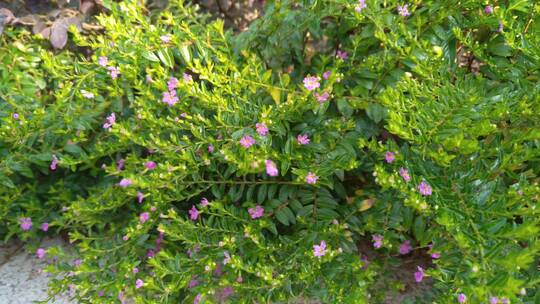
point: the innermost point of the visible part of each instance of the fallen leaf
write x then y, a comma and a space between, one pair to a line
59, 34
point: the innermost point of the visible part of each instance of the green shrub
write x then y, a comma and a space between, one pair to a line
192, 163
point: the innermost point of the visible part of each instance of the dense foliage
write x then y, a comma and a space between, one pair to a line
306, 158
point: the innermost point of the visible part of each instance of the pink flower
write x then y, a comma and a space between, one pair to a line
326, 75
204, 202
103, 61
505, 301
311, 83
139, 283
462, 298
405, 247
165, 38
109, 121
271, 168
150, 253
149, 78
114, 71
256, 212
26, 223
488, 10
319, 250
125, 238
403, 10
435, 255
342, 54
424, 188
143, 217
193, 283
172, 83
322, 97
197, 299
125, 182
377, 240
40, 253
311, 178
226, 292
150, 165
170, 98
247, 141
361, 5
101, 293
419, 275
15, 116
227, 258
140, 197
44, 227
262, 129
54, 163
193, 213
135, 270
493, 300
210, 149
187, 78
404, 174
302, 139
389, 157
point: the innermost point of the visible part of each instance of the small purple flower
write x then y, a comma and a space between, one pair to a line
302, 139
210, 149
247, 141
54, 163
135, 270
172, 83
319, 250
311, 178
271, 168
405, 247
40, 253
435, 255
493, 300
311, 83
140, 197
505, 301
149, 78
204, 202
322, 97
193, 213
170, 98
419, 275
197, 299
44, 227
389, 157
488, 10
150, 253
403, 10
256, 212
227, 258
193, 282
342, 55
143, 217
26, 223
150, 165
377, 240
326, 75
424, 188
361, 5
139, 283
226, 292
462, 298
120, 164
109, 121
261, 128
77, 262
114, 71
165, 38
15, 116
187, 78
101, 293
404, 174
125, 238
125, 182
103, 61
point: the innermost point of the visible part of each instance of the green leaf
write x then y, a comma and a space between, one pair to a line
376, 112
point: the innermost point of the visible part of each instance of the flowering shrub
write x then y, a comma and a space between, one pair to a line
292, 162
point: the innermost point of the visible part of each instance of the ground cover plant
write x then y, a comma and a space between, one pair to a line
309, 158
